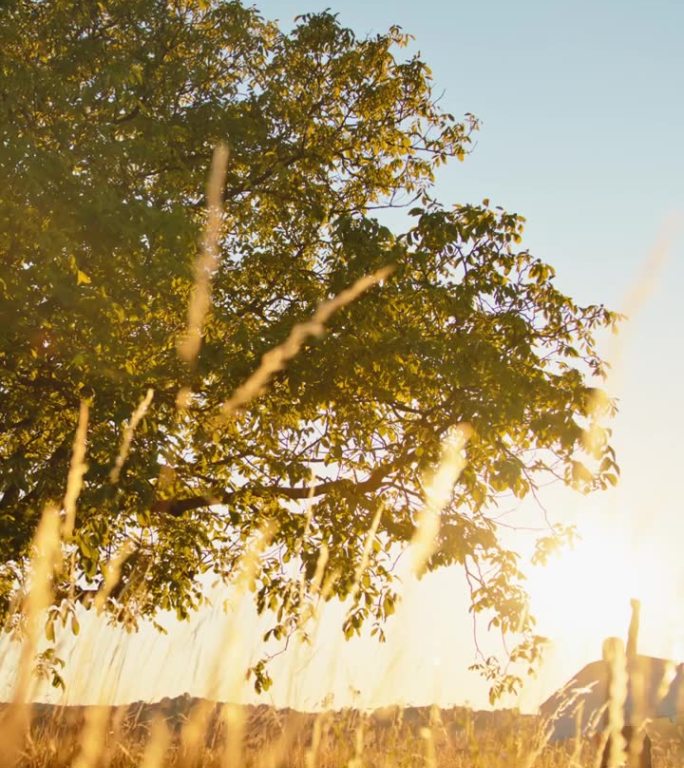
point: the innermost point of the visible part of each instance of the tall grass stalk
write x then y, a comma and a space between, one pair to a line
438, 492
77, 469
275, 359
45, 560
127, 438
614, 655
207, 260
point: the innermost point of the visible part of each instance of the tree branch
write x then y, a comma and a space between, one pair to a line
177, 507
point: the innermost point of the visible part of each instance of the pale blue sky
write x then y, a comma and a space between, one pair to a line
582, 117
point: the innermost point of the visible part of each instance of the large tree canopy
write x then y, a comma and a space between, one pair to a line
109, 114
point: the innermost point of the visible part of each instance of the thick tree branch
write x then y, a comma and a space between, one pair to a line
176, 507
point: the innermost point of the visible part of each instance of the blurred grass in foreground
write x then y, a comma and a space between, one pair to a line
262, 737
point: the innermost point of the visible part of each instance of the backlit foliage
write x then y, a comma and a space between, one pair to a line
109, 114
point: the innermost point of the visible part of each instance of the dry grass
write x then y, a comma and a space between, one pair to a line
261, 737
156, 735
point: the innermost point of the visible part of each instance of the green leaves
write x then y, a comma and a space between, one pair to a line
109, 116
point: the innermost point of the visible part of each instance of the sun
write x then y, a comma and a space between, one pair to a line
584, 593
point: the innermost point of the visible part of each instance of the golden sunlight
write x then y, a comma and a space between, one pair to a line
585, 592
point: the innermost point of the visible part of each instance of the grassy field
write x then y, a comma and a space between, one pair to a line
193, 733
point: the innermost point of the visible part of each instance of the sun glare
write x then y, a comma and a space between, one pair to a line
584, 593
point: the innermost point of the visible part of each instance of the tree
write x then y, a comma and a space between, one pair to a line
110, 114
